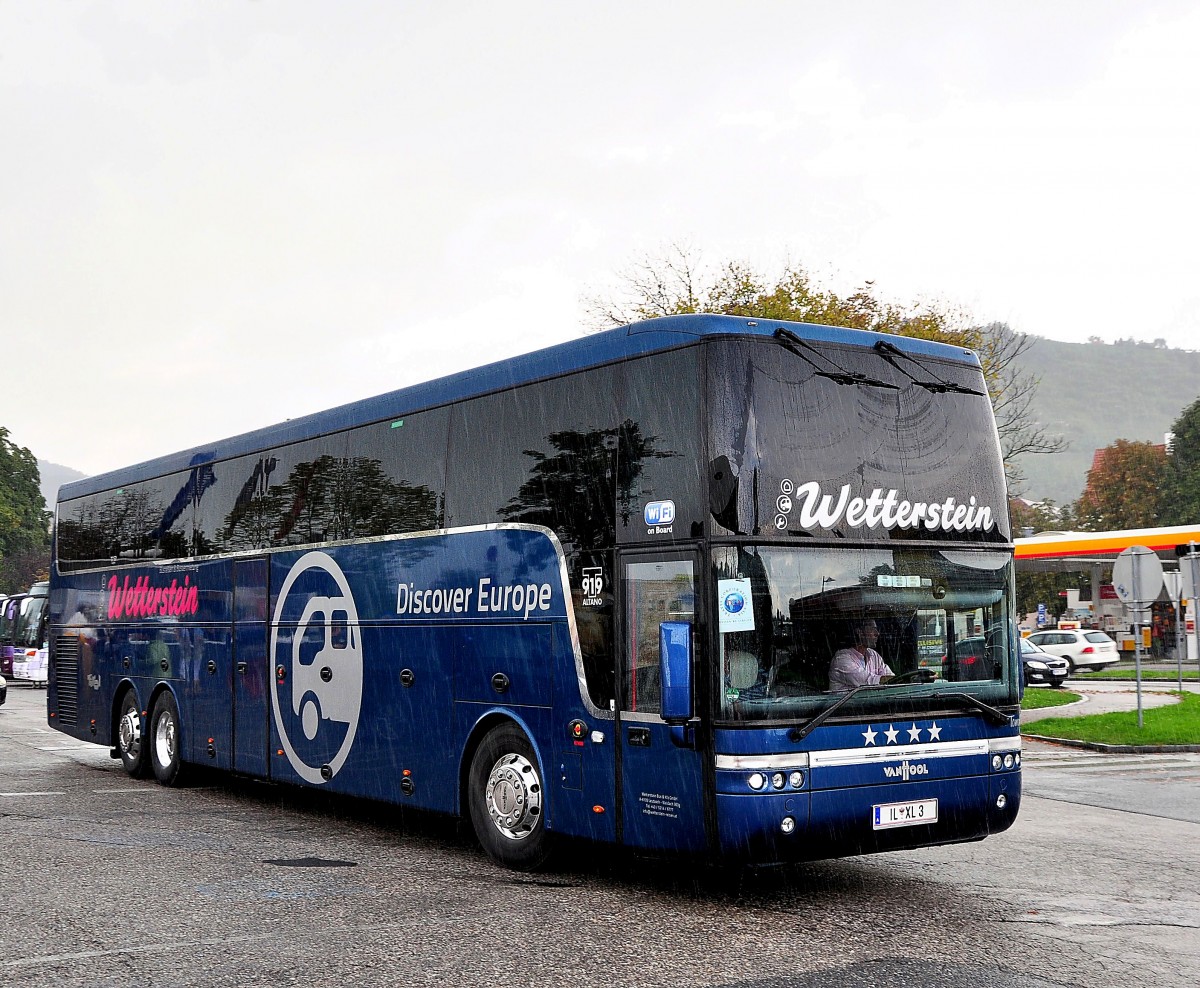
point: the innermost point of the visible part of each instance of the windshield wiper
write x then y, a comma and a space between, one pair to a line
798, 733
923, 676
889, 352
839, 376
998, 717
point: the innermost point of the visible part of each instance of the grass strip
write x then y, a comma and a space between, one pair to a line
1178, 723
1037, 699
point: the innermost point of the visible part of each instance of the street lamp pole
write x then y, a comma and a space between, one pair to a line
1137, 643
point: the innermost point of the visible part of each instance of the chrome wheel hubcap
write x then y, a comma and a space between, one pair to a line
129, 733
164, 739
514, 796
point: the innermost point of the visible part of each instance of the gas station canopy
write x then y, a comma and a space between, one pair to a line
1050, 552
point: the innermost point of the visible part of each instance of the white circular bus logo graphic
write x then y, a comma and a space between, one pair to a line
316, 653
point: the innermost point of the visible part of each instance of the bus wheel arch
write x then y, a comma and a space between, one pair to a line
506, 794
165, 737
129, 734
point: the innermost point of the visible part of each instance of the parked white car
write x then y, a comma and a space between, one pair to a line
1081, 648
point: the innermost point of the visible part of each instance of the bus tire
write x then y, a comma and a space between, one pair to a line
165, 739
131, 740
507, 799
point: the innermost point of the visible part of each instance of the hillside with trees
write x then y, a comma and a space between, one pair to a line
1096, 393
53, 476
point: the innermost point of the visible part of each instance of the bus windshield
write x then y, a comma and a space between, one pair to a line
790, 449
30, 626
790, 620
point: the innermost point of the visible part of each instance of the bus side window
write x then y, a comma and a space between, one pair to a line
658, 591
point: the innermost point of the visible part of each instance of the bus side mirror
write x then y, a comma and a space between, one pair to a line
675, 665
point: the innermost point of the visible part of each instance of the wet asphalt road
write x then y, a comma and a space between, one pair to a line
112, 881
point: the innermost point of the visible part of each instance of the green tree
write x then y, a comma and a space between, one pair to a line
1181, 496
24, 520
1124, 488
1027, 518
1034, 587
674, 282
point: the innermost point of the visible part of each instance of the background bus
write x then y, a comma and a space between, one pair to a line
29, 641
594, 591
10, 611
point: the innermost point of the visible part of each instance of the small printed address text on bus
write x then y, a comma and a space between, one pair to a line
486, 597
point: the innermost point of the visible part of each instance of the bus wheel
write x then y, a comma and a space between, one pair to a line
507, 800
130, 742
165, 738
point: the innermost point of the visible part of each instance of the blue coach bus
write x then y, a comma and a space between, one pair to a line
591, 592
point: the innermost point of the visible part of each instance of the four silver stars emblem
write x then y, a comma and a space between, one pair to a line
892, 732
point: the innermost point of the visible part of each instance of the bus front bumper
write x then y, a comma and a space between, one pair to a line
772, 828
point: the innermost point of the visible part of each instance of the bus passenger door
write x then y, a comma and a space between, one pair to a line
249, 711
661, 781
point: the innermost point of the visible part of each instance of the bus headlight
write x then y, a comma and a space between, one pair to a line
796, 780
787, 824
778, 780
1008, 760
997, 763
756, 781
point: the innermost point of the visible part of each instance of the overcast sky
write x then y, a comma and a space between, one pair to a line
220, 215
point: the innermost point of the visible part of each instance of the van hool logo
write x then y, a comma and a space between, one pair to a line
879, 508
316, 649
143, 599
905, 770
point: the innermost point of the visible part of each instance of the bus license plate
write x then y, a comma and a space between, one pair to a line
904, 814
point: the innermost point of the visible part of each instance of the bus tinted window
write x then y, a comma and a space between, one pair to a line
150, 520
233, 513
80, 539
380, 479
396, 475
660, 454
540, 455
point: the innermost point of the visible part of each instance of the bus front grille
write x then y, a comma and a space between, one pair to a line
66, 673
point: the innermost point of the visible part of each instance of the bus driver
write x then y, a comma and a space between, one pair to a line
859, 665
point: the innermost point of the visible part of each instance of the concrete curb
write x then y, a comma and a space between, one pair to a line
1117, 749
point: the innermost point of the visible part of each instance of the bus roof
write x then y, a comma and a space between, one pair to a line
636, 339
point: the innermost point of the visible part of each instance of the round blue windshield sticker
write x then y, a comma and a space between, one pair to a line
734, 602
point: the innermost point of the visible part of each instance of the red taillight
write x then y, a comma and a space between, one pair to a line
1089, 650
